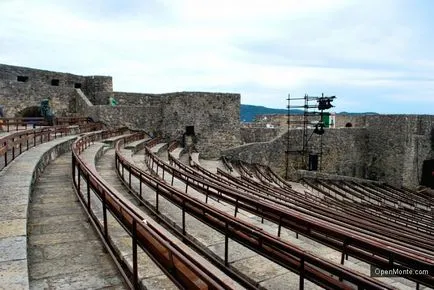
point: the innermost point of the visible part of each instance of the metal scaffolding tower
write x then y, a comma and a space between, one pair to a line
312, 106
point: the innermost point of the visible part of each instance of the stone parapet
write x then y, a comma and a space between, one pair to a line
17, 180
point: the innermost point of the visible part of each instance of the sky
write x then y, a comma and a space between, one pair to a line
373, 55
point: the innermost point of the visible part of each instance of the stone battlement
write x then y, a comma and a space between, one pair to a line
213, 116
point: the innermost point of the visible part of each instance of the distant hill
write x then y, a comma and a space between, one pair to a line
248, 112
357, 114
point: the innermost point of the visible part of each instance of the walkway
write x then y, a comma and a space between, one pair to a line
64, 251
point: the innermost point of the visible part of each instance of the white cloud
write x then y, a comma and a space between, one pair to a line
262, 49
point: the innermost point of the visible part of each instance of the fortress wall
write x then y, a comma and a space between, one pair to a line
391, 148
16, 96
95, 85
355, 120
28, 86
296, 121
344, 150
129, 99
251, 135
138, 117
215, 117
38, 77
137, 99
398, 145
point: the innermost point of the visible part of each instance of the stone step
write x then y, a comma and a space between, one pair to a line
177, 152
159, 147
263, 271
302, 242
105, 166
110, 141
134, 144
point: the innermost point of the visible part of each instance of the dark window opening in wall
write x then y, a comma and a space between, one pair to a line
22, 79
428, 173
348, 125
313, 162
77, 85
189, 130
55, 82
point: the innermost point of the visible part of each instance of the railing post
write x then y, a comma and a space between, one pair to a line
78, 180
73, 171
301, 285
6, 153
156, 199
280, 226
343, 251
183, 218
226, 244
104, 213
13, 148
88, 192
135, 271
140, 184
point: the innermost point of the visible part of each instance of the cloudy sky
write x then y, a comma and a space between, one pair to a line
374, 55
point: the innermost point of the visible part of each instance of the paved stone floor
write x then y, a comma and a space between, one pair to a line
64, 251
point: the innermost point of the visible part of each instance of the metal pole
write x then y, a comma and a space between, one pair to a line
287, 139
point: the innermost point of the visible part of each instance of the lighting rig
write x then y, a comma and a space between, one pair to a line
312, 106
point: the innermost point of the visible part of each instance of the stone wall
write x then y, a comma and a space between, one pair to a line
355, 120
39, 78
22, 87
214, 116
251, 135
390, 148
343, 151
95, 85
398, 145
326, 176
16, 96
296, 121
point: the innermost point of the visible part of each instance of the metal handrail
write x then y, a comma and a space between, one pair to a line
16, 122
176, 264
373, 252
271, 247
14, 144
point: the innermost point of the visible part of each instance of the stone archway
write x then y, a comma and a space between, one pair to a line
29, 112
